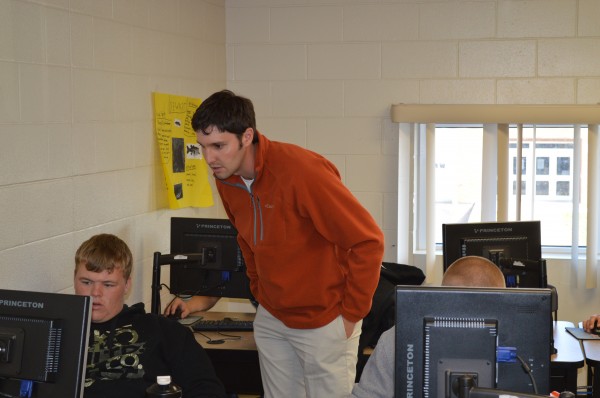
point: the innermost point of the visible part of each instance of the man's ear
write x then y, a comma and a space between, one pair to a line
248, 136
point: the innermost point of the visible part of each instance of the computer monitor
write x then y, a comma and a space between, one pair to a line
515, 247
43, 343
445, 333
219, 269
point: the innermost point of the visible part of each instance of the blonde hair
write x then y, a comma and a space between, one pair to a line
104, 252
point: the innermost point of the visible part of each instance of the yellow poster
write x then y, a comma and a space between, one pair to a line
186, 172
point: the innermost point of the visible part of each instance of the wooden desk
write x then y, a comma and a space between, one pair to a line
566, 361
235, 360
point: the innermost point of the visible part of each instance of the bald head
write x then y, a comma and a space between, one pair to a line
473, 271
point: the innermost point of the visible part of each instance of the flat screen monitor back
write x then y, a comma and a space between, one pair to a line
438, 336
512, 239
223, 274
44, 339
513, 246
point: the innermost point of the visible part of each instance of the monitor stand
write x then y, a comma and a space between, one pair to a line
467, 389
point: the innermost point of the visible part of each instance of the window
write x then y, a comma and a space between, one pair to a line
563, 166
541, 187
570, 219
458, 183
523, 165
523, 188
553, 149
563, 188
458, 178
542, 166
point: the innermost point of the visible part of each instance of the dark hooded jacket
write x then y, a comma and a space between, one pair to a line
126, 353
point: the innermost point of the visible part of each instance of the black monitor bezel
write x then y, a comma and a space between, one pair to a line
518, 242
218, 279
524, 322
73, 313
454, 234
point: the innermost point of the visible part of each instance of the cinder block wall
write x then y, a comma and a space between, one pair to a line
78, 154
323, 74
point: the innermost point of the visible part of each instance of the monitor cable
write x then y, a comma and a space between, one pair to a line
527, 370
227, 337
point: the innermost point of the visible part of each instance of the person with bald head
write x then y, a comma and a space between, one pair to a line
473, 271
377, 379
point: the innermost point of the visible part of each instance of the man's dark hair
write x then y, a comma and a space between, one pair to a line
227, 112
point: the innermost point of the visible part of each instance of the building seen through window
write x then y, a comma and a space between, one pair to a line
547, 178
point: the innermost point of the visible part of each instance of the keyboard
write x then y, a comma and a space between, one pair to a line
222, 325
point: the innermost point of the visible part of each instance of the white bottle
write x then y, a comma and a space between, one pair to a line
163, 388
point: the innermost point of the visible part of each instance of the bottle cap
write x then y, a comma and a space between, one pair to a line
163, 380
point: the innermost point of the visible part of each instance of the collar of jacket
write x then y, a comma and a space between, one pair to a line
260, 151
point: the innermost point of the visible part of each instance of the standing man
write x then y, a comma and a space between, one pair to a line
312, 252
129, 348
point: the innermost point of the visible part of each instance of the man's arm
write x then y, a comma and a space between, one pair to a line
194, 304
340, 218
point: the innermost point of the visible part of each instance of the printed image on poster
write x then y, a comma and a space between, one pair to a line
186, 172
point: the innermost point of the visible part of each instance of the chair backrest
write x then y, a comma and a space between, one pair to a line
383, 310
382, 314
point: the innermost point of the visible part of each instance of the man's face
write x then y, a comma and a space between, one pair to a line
108, 291
223, 151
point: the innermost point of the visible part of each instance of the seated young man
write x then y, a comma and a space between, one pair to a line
377, 378
128, 348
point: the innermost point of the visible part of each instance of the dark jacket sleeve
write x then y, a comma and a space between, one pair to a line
190, 364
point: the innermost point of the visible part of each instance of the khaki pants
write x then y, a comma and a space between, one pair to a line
305, 363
